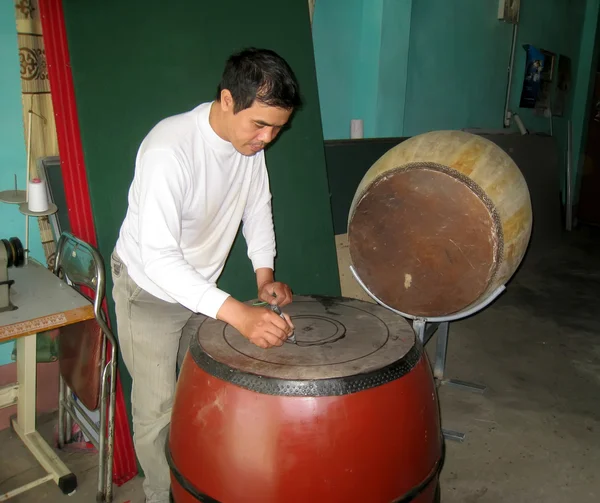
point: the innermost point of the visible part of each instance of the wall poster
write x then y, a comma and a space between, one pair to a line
532, 82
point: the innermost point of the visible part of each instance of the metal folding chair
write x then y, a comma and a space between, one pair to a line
86, 374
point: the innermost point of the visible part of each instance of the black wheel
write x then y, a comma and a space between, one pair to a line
14, 251
17, 246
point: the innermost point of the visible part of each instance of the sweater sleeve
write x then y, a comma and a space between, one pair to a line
258, 219
161, 196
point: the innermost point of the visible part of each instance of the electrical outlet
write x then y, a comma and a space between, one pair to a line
508, 10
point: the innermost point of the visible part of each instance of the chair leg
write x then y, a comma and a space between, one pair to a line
61, 412
111, 428
101, 493
68, 418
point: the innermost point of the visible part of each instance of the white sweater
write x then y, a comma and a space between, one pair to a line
190, 191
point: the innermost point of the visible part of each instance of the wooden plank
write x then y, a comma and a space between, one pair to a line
25, 488
45, 455
45, 323
9, 395
43, 301
27, 378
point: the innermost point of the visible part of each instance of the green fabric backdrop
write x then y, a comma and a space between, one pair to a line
136, 62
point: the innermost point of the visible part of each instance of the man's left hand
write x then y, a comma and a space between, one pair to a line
275, 293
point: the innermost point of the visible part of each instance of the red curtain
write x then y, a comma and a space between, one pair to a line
76, 189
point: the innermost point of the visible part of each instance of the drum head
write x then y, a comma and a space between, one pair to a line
425, 240
336, 338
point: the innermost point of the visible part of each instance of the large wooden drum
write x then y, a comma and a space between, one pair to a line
348, 414
439, 223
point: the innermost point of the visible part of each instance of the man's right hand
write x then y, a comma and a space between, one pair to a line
259, 325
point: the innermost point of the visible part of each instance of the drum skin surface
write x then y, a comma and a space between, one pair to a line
372, 435
439, 222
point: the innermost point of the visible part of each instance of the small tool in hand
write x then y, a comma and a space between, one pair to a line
276, 310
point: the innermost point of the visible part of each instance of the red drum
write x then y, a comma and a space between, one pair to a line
347, 414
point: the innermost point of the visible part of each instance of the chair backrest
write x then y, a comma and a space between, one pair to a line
82, 346
81, 266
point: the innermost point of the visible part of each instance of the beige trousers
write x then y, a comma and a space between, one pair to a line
153, 338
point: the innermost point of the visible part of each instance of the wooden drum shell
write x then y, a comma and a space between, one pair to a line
459, 221
235, 445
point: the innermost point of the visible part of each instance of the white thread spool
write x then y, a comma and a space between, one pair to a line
356, 129
38, 196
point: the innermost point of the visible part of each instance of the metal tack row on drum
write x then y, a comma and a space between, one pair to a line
350, 412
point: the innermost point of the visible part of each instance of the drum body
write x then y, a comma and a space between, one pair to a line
438, 223
345, 415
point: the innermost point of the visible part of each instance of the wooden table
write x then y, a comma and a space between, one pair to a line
43, 303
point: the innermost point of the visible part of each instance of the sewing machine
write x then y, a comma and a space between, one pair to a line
11, 254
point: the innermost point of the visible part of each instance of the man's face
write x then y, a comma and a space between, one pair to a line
252, 129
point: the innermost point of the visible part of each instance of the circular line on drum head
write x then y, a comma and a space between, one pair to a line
339, 327
320, 364
375, 339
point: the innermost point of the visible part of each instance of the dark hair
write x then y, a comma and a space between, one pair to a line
261, 75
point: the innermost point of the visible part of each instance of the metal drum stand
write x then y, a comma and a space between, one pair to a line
426, 327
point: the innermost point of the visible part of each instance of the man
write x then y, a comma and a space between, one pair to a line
198, 175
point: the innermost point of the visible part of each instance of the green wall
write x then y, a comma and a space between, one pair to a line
13, 157
466, 44
336, 33
137, 62
392, 90
456, 68
586, 69
423, 65
554, 25
361, 49
459, 56
366, 73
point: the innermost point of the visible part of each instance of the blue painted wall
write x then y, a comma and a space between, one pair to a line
554, 25
589, 49
410, 66
458, 60
367, 70
457, 66
12, 143
360, 48
392, 89
468, 50
336, 24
